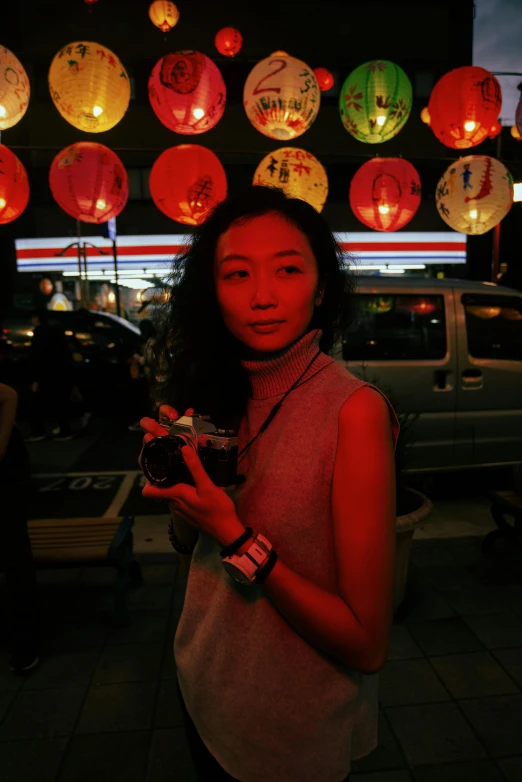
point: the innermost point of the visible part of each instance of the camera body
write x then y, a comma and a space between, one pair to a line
162, 461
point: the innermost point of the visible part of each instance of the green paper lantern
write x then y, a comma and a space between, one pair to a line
375, 101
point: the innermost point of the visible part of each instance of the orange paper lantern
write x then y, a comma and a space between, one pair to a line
89, 182
163, 14
14, 89
89, 86
187, 182
325, 80
46, 287
281, 97
385, 193
425, 115
14, 186
464, 104
228, 41
187, 92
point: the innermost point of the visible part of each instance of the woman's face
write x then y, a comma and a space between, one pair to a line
265, 270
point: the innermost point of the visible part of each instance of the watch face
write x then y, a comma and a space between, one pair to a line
237, 574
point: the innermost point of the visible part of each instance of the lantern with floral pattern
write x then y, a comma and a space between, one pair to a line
14, 89
385, 193
228, 41
163, 14
281, 97
297, 172
89, 182
14, 186
474, 194
89, 86
375, 101
187, 182
187, 92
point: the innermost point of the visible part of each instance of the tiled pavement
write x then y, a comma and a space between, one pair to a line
104, 706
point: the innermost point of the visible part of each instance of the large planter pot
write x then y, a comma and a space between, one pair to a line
419, 508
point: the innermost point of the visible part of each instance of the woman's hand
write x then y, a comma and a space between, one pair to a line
205, 505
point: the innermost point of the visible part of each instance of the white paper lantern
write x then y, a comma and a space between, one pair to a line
14, 89
295, 171
474, 194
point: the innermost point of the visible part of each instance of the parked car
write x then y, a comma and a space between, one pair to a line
449, 352
102, 345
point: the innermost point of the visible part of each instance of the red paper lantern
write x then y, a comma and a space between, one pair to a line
385, 193
495, 129
14, 186
46, 287
228, 41
463, 106
325, 80
89, 182
187, 182
187, 92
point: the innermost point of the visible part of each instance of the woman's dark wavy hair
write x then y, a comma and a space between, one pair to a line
198, 358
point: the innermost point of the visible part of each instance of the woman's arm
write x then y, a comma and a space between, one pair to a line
8, 406
186, 534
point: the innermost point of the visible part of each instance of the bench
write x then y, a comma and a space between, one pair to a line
62, 543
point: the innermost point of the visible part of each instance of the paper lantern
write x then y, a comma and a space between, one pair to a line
325, 80
385, 193
463, 106
89, 182
515, 132
297, 172
375, 101
163, 14
14, 186
474, 194
495, 129
46, 287
228, 41
187, 182
281, 97
425, 115
89, 86
187, 92
14, 89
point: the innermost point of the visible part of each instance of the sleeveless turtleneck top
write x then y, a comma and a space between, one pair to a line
268, 705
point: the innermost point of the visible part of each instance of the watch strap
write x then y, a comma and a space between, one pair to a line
265, 571
233, 547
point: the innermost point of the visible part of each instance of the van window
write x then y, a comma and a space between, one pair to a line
390, 327
493, 325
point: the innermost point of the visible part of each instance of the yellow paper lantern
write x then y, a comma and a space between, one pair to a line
295, 171
281, 97
89, 86
515, 132
474, 194
14, 89
164, 15
425, 115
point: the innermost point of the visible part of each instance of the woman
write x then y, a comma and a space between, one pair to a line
278, 674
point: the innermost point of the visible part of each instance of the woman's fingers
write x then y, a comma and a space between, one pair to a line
150, 426
168, 413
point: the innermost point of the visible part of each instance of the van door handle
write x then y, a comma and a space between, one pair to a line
472, 379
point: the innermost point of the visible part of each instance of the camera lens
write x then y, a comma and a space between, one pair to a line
162, 460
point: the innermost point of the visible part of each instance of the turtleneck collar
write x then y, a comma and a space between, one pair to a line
274, 375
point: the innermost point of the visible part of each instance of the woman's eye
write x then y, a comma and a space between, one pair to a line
239, 271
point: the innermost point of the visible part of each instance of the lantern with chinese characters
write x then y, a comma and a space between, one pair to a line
89, 182
14, 186
325, 80
281, 97
474, 194
187, 182
228, 41
297, 172
464, 104
375, 101
385, 193
89, 86
187, 92
14, 89
163, 14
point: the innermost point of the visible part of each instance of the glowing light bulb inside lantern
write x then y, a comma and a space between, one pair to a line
381, 119
3, 112
384, 209
470, 125
3, 202
473, 214
101, 204
198, 113
97, 110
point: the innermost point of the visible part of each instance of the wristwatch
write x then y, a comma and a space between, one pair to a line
249, 568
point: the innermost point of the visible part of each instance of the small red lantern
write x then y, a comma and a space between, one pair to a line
89, 182
464, 104
90, 2
14, 186
46, 287
385, 193
325, 80
187, 182
187, 92
228, 41
495, 129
